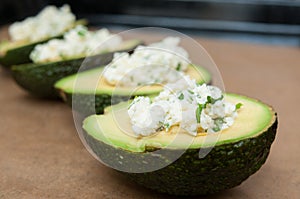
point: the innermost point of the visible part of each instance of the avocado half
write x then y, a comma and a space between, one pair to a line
82, 93
15, 53
38, 79
235, 153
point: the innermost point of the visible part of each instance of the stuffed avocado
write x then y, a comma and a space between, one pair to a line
62, 57
236, 130
97, 88
50, 23
86, 95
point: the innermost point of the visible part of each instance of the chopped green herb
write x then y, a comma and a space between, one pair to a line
191, 92
198, 112
219, 121
163, 126
218, 124
161, 123
178, 67
209, 99
81, 33
216, 129
167, 125
238, 106
212, 100
181, 96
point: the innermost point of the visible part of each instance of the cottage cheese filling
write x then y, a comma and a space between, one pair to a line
195, 108
161, 62
51, 21
77, 42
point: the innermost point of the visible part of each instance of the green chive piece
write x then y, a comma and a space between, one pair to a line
81, 33
238, 106
198, 112
178, 67
181, 96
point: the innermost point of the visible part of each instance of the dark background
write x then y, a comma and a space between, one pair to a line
262, 21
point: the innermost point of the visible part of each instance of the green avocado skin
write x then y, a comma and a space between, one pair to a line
38, 79
225, 167
88, 104
21, 54
17, 56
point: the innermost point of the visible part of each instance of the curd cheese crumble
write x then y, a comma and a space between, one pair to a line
160, 62
195, 108
77, 42
50, 22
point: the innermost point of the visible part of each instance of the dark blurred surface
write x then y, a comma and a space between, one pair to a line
12, 10
265, 21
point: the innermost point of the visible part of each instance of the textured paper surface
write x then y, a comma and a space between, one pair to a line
41, 155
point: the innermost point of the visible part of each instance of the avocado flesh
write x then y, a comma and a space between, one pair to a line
238, 153
38, 79
15, 53
81, 90
116, 136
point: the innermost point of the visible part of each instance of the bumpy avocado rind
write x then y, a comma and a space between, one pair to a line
20, 53
88, 100
87, 104
227, 165
39, 79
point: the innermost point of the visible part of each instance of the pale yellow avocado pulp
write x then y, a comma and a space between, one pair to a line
114, 128
92, 82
